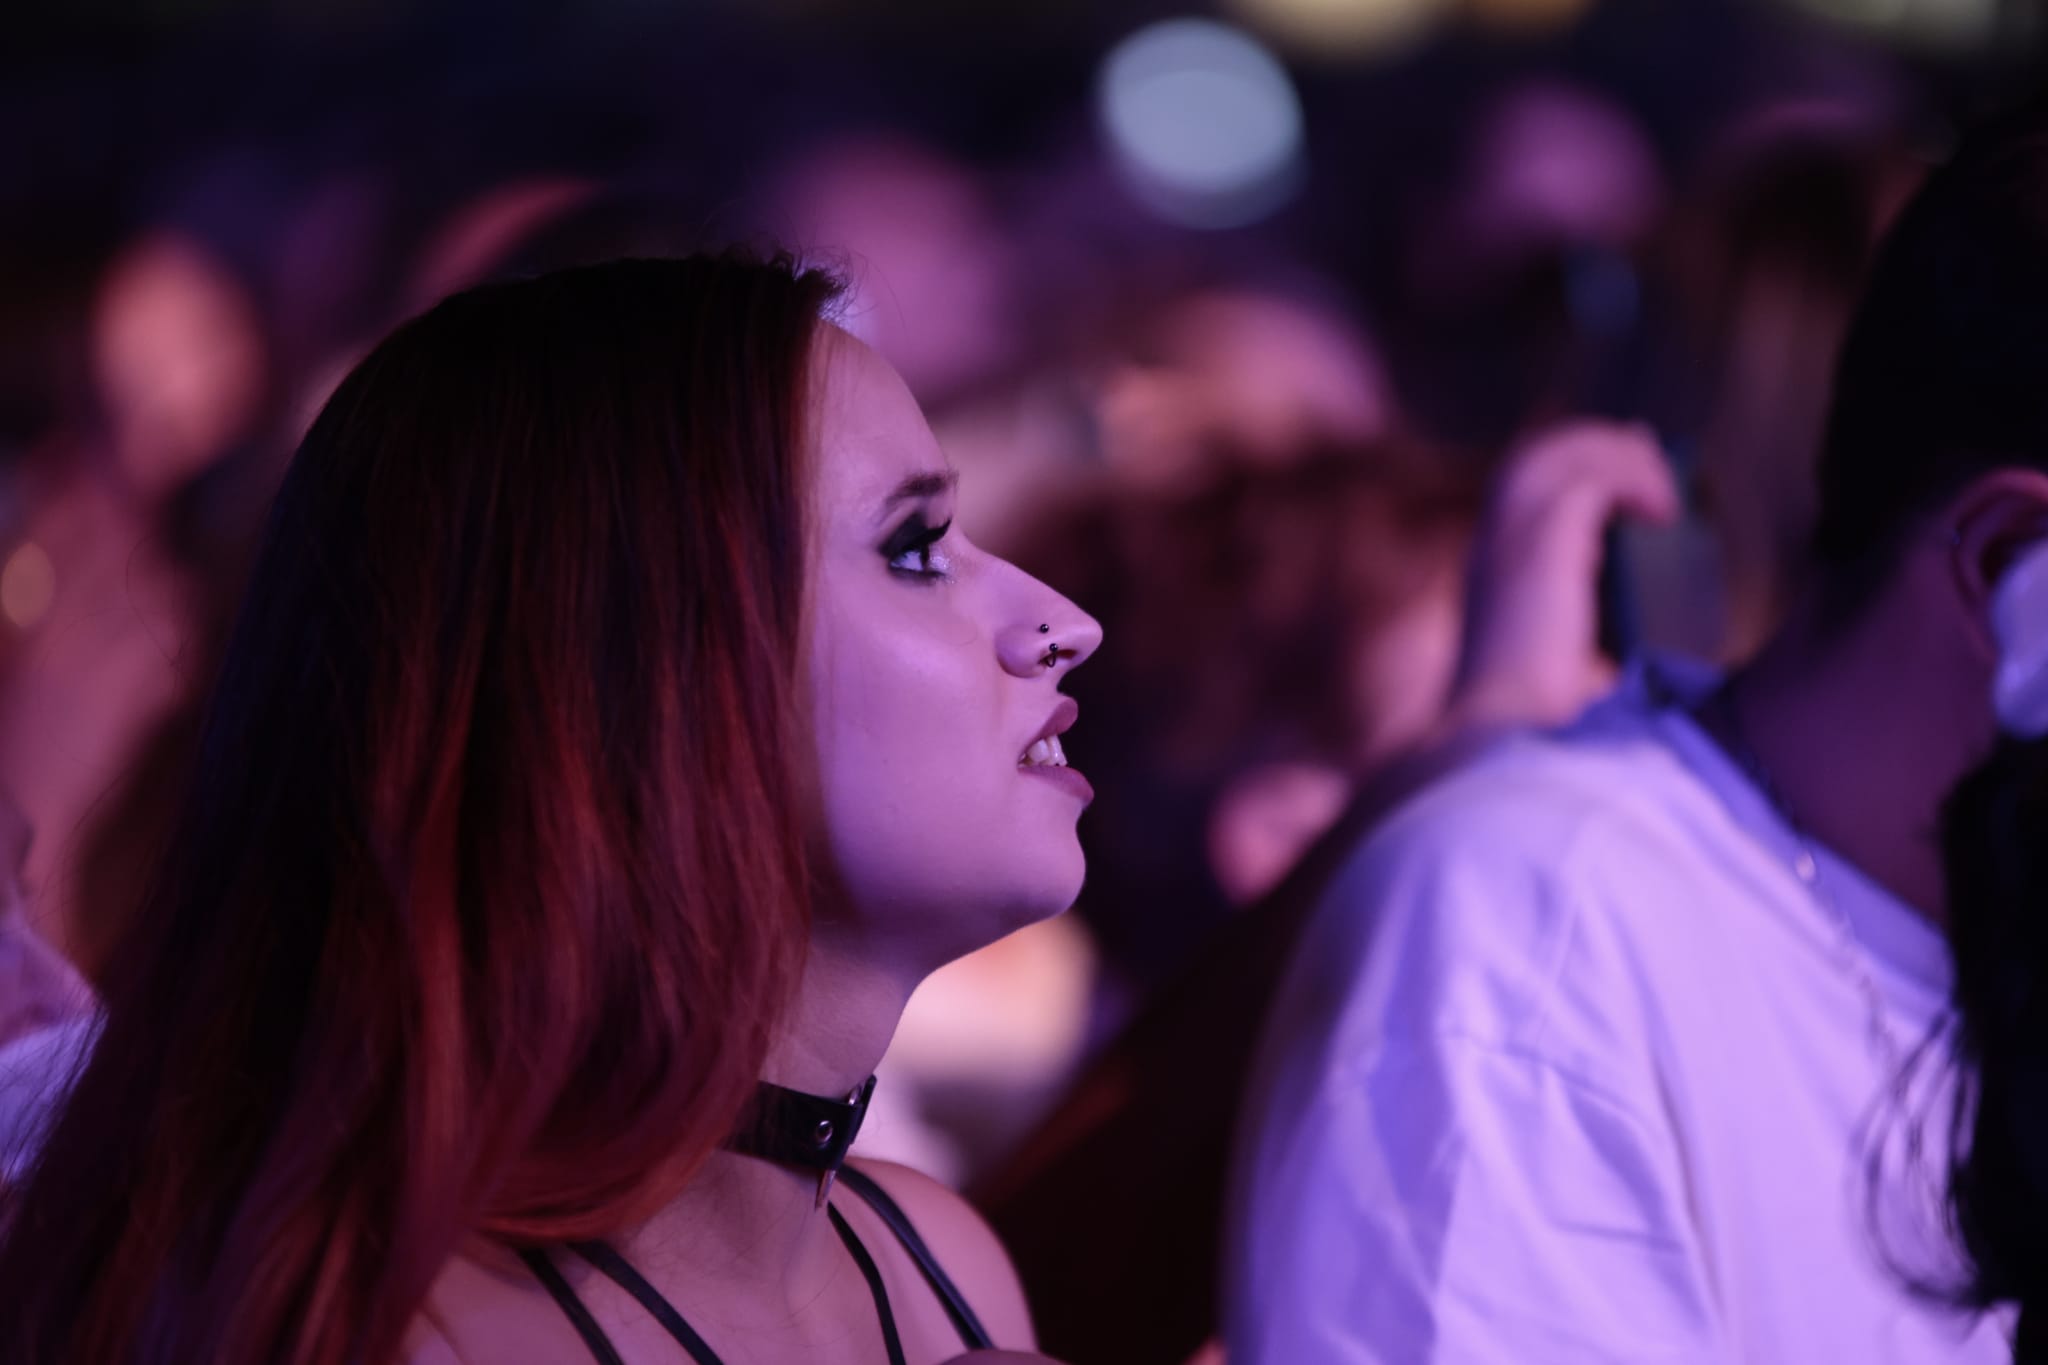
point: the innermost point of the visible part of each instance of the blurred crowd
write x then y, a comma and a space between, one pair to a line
1257, 454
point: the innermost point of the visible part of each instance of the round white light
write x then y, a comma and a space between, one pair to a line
1203, 122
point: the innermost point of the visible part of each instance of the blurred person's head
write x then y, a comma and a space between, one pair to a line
611, 703
1279, 628
1552, 165
1933, 483
1769, 261
1518, 281
179, 356
188, 358
1259, 373
1934, 460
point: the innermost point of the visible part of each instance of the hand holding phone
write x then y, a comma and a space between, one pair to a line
1531, 652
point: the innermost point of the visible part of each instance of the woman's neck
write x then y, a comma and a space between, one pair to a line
840, 1024
1864, 736
747, 1227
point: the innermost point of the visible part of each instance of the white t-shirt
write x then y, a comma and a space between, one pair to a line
1571, 1066
36, 1071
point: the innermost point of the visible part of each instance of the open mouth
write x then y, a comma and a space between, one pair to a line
1044, 753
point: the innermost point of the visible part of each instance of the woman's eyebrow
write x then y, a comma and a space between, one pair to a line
919, 486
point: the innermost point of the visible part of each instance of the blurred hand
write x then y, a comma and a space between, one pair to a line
1530, 652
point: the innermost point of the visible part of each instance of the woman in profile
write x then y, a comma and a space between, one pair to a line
614, 734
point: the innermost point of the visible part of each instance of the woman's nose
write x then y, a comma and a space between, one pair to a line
1061, 639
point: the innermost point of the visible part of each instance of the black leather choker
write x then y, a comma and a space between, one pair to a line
812, 1132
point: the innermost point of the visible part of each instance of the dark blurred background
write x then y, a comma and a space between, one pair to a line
1225, 312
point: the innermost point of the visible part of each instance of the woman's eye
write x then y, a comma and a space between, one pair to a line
916, 550
925, 561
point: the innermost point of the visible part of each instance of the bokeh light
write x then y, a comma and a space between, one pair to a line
1203, 122
1348, 28
1956, 26
27, 585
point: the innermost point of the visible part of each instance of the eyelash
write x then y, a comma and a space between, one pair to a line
914, 539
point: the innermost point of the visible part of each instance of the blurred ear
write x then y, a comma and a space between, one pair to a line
1988, 525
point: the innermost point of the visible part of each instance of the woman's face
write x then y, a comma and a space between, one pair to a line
948, 820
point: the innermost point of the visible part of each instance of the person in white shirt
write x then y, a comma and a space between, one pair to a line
1591, 1053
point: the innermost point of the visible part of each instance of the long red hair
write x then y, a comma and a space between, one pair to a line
491, 884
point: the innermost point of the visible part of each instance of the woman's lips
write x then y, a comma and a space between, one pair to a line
1062, 776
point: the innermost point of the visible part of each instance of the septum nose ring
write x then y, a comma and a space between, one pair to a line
1052, 649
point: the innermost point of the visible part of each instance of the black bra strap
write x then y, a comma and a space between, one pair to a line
874, 1279
972, 1333
572, 1307
621, 1273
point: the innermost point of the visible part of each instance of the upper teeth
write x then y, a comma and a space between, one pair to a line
1046, 753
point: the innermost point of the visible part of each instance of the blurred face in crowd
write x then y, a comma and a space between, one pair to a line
178, 356
1259, 374
948, 808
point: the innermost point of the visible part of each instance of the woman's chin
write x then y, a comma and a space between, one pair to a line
1061, 886
1028, 906
1059, 896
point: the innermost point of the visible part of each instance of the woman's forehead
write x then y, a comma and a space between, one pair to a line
873, 440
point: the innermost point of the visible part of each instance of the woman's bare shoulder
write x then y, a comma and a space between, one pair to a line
486, 1308
965, 1245
426, 1344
